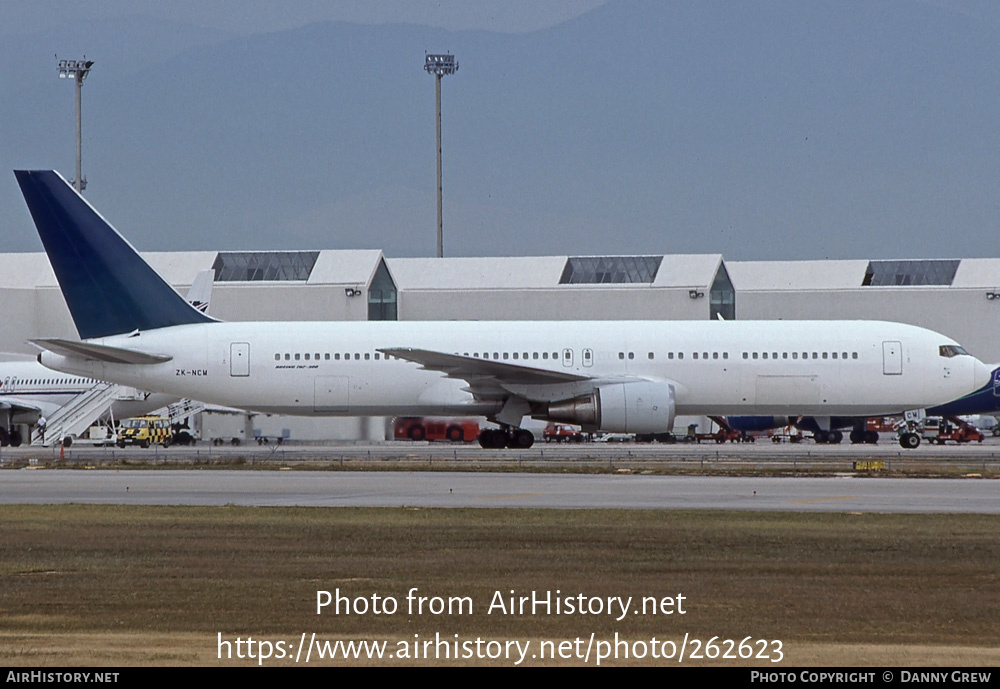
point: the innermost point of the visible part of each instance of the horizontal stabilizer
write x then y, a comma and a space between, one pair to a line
96, 352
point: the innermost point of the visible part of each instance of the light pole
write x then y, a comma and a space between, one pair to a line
77, 70
439, 66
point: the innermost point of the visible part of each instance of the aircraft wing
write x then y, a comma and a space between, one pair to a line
89, 351
486, 378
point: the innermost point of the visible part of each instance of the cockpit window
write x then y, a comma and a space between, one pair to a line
949, 351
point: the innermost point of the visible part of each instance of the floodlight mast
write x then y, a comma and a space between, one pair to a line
78, 71
439, 66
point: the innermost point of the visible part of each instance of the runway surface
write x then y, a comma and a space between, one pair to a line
488, 490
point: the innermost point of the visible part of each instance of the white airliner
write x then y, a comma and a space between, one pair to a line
624, 376
30, 391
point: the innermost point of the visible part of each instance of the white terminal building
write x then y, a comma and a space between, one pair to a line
957, 297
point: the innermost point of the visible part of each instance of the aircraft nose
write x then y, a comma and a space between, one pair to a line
982, 375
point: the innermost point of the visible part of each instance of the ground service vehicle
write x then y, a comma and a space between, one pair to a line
145, 431
421, 428
558, 432
942, 429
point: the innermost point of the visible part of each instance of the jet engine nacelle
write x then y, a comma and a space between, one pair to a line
641, 407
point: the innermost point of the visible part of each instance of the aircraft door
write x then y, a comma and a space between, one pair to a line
892, 358
239, 359
996, 383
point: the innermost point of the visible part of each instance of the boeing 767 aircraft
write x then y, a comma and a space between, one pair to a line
618, 376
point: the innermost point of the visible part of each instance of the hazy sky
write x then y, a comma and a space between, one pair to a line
776, 129
265, 16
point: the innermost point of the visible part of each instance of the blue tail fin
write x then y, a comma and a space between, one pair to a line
109, 289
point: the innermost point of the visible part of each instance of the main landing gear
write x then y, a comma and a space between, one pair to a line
506, 436
11, 437
831, 437
864, 436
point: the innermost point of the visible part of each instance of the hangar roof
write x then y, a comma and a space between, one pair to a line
547, 272
978, 272
964, 273
796, 275
522, 272
354, 267
30, 270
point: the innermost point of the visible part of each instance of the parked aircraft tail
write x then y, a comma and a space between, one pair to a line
109, 288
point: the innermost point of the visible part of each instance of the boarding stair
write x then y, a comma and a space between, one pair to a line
78, 414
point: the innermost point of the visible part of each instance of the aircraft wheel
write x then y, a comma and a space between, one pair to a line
521, 438
492, 438
4, 438
871, 437
821, 436
15, 438
835, 437
858, 437
909, 440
